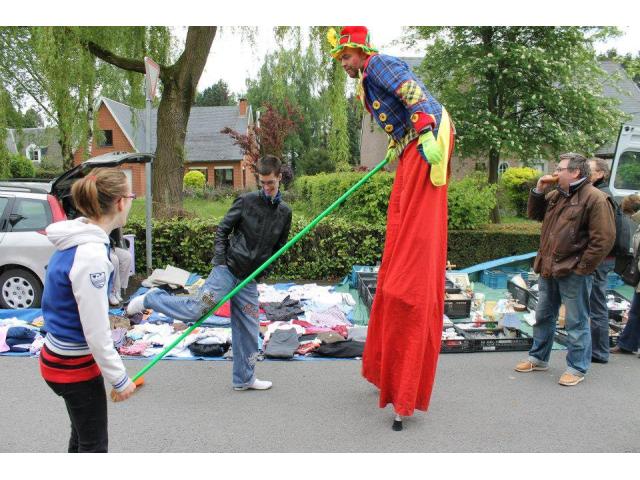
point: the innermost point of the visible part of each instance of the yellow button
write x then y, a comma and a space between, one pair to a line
376, 104
414, 117
388, 128
382, 117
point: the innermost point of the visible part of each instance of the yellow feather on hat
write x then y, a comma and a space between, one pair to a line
333, 37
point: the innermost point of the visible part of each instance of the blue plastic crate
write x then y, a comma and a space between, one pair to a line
613, 281
498, 278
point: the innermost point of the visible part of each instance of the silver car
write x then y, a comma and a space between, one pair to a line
26, 209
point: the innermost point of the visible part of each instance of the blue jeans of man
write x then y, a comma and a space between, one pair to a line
629, 339
245, 328
600, 312
573, 291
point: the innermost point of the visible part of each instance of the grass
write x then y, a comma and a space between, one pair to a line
199, 207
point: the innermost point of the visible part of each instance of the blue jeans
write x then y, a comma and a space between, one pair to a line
245, 328
600, 312
573, 291
629, 339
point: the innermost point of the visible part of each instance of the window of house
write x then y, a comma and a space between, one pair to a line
33, 153
502, 168
106, 139
628, 171
223, 177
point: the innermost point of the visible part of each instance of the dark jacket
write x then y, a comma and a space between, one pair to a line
578, 230
252, 230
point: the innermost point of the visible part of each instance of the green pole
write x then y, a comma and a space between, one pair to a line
271, 259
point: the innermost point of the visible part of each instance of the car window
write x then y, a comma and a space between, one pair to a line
30, 214
628, 172
3, 204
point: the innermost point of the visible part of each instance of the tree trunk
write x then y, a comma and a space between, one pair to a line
494, 159
179, 82
180, 86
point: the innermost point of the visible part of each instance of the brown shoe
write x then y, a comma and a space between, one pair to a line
617, 349
568, 379
528, 366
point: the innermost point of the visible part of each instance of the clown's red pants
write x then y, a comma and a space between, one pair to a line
405, 326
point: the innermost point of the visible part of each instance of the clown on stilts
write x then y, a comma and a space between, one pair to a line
405, 325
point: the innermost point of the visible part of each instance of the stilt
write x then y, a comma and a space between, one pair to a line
397, 424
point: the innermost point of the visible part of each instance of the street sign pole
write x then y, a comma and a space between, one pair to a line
152, 72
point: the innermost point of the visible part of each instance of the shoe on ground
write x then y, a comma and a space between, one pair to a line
136, 305
528, 366
256, 385
617, 349
598, 360
568, 379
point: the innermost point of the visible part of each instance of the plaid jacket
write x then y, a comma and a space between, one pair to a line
398, 99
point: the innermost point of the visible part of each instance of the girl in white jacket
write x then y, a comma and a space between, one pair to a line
78, 350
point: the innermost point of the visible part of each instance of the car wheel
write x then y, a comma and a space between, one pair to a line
20, 289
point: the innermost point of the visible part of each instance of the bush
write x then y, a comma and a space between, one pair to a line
368, 204
194, 180
516, 184
327, 252
48, 169
21, 167
470, 202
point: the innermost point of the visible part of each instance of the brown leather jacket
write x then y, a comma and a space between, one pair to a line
578, 230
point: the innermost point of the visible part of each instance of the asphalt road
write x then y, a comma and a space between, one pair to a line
479, 404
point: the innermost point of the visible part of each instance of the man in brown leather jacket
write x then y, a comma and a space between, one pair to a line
578, 231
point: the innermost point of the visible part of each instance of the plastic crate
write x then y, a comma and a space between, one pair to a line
494, 278
616, 314
521, 342
367, 298
521, 295
365, 279
462, 345
614, 281
450, 287
457, 308
353, 278
532, 300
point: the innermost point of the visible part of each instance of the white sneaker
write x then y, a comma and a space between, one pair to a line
256, 385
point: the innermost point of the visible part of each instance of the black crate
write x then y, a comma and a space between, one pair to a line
366, 280
520, 295
532, 301
456, 346
615, 314
563, 339
521, 342
457, 308
367, 298
615, 329
450, 287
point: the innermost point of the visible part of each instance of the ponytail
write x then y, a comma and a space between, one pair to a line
96, 194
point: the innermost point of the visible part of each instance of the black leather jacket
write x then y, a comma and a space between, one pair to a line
253, 229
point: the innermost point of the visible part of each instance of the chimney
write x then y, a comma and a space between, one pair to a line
242, 107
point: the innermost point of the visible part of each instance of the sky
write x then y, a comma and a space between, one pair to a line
233, 60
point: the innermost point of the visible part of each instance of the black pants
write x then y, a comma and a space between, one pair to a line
87, 406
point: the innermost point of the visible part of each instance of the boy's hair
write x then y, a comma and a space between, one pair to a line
269, 164
631, 204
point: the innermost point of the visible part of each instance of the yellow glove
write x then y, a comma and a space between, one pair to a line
430, 149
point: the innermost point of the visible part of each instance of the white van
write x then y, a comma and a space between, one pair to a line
625, 169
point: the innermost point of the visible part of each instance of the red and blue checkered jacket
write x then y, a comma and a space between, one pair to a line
398, 99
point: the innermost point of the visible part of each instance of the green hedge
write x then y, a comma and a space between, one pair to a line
470, 199
327, 252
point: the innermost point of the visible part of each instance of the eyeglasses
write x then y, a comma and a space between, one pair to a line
268, 183
560, 169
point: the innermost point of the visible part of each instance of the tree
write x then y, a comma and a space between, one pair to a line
306, 76
179, 82
217, 95
523, 92
268, 137
49, 66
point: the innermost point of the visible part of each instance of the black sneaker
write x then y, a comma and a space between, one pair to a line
598, 360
